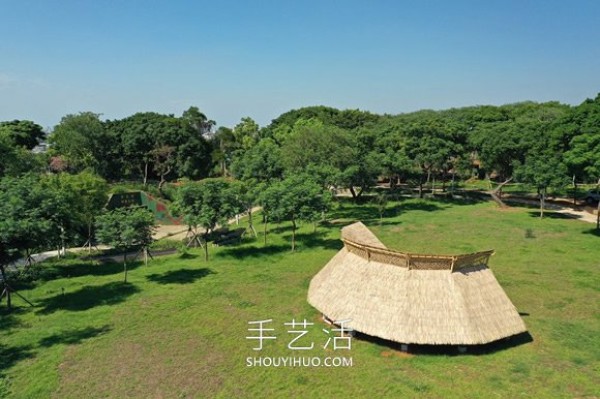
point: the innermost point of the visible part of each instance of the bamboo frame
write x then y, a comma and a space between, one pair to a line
415, 261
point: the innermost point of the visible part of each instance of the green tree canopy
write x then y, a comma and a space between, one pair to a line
207, 204
22, 133
81, 140
126, 228
296, 198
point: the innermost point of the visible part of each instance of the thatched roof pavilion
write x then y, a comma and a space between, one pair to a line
413, 298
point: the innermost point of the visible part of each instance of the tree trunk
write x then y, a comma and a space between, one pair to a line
28, 257
146, 173
353, 192
206, 246
265, 232
598, 216
125, 265
250, 223
574, 191
62, 242
598, 211
293, 235
6, 290
89, 238
497, 193
542, 202
421, 186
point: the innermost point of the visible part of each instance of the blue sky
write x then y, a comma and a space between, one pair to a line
262, 58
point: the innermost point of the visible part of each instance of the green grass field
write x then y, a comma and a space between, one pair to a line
178, 329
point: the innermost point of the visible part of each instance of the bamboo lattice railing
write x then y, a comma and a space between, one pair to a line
418, 261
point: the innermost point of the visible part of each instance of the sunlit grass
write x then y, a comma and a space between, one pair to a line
178, 328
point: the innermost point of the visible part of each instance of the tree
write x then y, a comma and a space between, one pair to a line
164, 146
15, 159
294, 199
81, 140
542, 168
503, 136
247, 193
262, 162
246, 134
431, 148
582, 155
197, 121
60, 204
88, 194
164, 159
390, 144
125, 228
349, 119
139, 134
381, 201
26, 134
206, 204
323, 149
26, 220
364, 165
223, 143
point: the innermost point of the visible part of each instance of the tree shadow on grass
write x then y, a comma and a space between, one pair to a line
8, 319
552, 215
89, 268
593, 232
452, 350
11, 355
253, 251
75, 336
279, 228
370, 212
182, 276
187, 255
89, 297
316, 240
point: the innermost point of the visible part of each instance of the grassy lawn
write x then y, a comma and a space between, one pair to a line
178, 329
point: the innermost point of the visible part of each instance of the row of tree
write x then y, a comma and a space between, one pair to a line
54, 211
544, 144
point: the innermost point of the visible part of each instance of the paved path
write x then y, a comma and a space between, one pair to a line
174, 232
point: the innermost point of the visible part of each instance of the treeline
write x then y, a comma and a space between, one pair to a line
545, 144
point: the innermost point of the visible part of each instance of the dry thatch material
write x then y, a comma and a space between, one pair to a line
412, 298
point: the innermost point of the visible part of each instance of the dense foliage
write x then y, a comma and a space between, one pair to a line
345, 149
63, 189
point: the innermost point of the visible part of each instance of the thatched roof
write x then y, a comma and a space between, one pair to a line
411, 298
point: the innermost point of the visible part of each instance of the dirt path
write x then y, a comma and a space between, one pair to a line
582, 215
